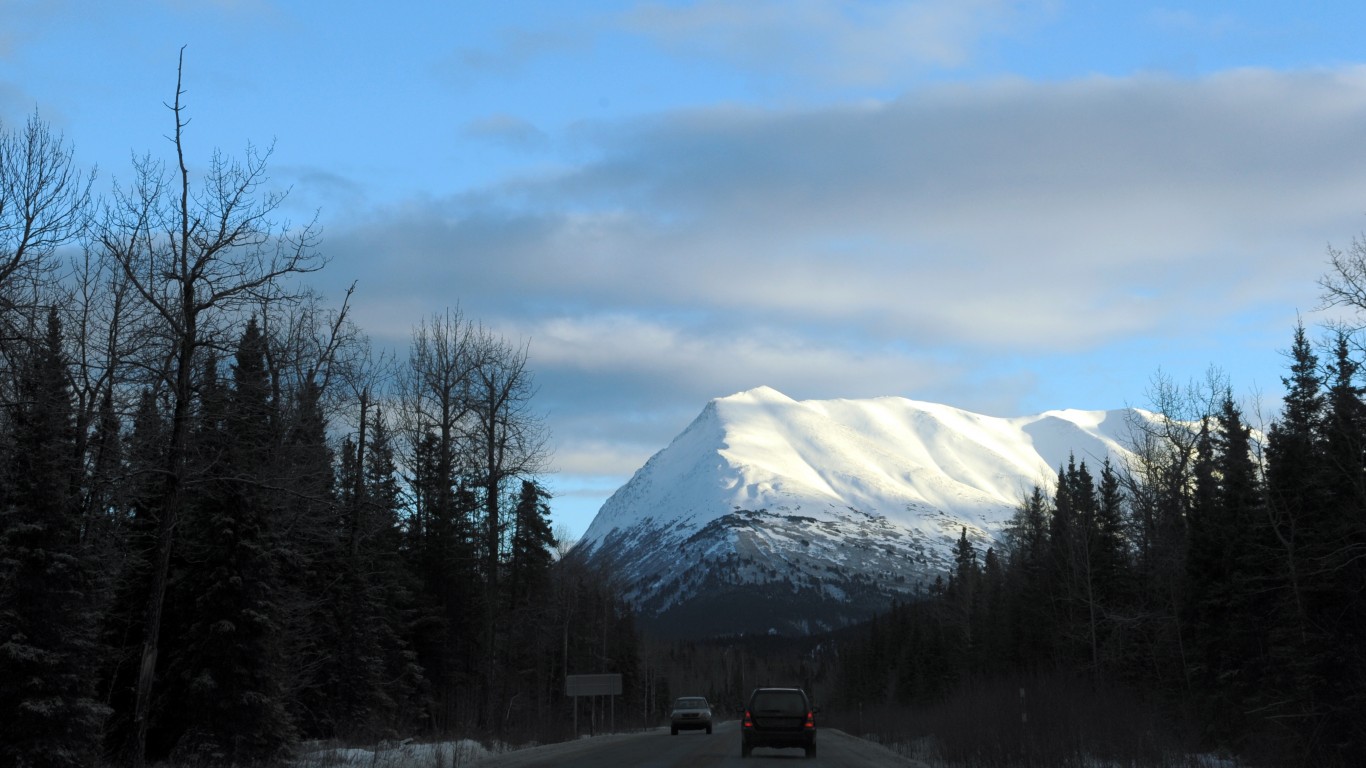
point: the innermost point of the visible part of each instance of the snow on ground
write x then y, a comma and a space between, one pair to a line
407, 754
467, 752
922, 752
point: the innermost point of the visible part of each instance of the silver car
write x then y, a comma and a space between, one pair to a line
690, 713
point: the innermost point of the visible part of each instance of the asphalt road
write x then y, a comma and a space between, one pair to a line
696, 749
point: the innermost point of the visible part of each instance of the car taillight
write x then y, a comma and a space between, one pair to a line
810, 719
748, 723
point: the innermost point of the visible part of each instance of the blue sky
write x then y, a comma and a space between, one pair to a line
1007, 207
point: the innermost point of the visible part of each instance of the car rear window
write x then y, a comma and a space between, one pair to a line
787, 702
691, 704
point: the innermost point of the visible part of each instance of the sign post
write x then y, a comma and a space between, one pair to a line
592, 685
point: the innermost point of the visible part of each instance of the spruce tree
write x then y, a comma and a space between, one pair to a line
1112, 548
990, 628
229, 657
1032, 622
1070, 585
394, 585
1296, 466
123, 622
963, 596
1227, 577
48, 617
366, 682
530, 555
440, 551
1336, 552
1299, 481
526, 634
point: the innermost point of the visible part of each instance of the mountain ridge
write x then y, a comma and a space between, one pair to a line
827, 509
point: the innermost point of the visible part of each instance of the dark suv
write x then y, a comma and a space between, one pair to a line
778, 717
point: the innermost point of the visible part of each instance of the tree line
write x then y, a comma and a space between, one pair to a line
227, 524
1221, 573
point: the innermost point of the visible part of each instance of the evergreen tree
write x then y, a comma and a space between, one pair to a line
990, 627
229, 659
531, 552
963, 593
394, 585
1114, 579
441, 554
1032, 622
124, 621
1335, 555
1227, 576
1298, 493
1111, 549
965, 566
48, 617
1296, 464
367, 683
311, 552
1070, 562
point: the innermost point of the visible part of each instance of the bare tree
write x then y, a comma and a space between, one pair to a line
506, 439
1345, 283
564, 541
43, 198
315, 345
469, 431
434, 404
194, 258
44, 204
433, 408
97, 312
1159, 479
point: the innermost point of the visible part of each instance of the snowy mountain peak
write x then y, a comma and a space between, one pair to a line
854, 501
759, 394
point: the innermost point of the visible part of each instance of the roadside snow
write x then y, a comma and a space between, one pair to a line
405, 754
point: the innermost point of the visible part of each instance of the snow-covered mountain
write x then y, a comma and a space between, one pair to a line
770, 514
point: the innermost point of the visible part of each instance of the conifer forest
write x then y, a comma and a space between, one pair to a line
208, 547
230, 525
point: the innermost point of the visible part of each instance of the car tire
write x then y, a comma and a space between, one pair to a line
811, 751
673, 731
744, 749
709, 730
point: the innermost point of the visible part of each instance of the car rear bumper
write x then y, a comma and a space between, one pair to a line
779, 739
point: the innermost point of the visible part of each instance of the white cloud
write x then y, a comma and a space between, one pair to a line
970, 244
839, 43
735, 358
993, 216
